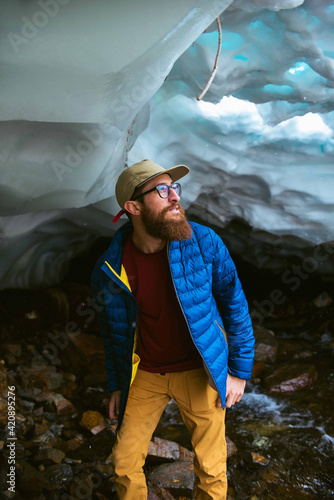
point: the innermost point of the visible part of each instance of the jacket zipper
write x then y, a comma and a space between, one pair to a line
185, 316
128, 290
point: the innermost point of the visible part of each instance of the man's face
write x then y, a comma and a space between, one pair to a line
164, 218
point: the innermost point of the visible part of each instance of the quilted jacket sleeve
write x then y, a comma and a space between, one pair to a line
233, 307
98, 293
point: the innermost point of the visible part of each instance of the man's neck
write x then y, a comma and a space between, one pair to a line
146, 243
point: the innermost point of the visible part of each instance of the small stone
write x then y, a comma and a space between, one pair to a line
30, 480
259, 459
261, 442
34, 393
28, 405
106, 470
64, 407
93, 421
291, 378
58, 474
177, 475
231, 447
70, 445
163, 448
49, 456
323, 300
40, 428
33, 378
46, 439
156, 493
304, 354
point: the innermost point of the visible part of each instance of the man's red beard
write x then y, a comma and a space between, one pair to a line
174, 228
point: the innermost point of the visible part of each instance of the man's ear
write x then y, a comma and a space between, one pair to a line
133, 207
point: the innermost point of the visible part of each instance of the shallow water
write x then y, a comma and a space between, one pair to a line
294, 431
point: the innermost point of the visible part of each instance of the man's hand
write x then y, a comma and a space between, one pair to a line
115, 399
235, 388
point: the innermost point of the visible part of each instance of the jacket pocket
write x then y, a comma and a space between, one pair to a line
222, 333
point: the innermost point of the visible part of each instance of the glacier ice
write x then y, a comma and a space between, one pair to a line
87, 89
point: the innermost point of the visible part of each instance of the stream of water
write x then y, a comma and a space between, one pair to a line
293, 432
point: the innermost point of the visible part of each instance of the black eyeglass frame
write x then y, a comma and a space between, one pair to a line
169, 187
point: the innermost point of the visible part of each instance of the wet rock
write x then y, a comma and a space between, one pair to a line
40, 428
105, 470
64, 407
29, 378
265, 345
178, 476
291, 378
163, 448
30, 481
27, 405
56, 429
34, 394
259, 459
58, 474
70, 444
49, 456
231, 447
85, 485
156, 493
46, 439
93, 421
323, 300
304, 354
97, 448
261, 442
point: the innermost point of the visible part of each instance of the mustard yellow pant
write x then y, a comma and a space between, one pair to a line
149, 394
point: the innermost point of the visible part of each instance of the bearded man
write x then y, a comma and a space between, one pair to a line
175, 325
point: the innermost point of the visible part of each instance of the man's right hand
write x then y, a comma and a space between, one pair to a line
115, 399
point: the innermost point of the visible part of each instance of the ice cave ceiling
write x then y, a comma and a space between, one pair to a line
88, 87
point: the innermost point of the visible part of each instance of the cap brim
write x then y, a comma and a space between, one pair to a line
175, 174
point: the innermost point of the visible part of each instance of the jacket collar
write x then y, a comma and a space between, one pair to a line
114, 253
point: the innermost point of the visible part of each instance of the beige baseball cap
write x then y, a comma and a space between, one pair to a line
138, 174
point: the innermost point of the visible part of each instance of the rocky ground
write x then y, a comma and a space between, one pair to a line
52, 380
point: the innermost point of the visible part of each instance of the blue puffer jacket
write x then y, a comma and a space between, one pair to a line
210, 295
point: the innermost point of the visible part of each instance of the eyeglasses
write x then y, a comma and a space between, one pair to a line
163, 190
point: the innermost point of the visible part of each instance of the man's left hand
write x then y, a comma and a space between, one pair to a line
235, 388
